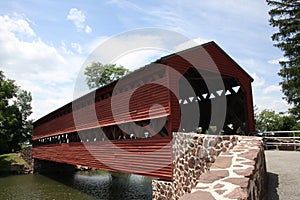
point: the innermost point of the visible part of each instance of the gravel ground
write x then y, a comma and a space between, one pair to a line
283, 175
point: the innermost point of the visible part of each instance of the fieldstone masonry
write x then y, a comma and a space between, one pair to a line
214, 167
27, 155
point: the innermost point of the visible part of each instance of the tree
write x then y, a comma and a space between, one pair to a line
98, 75
268, 120
285, 14
15, 108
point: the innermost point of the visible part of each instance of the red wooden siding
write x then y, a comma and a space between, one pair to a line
100, 113
205, 58
174, 93
143, 88
151, 157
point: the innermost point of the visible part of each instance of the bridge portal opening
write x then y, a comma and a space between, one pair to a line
198, 97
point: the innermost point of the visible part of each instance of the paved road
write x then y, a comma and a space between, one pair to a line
283, 175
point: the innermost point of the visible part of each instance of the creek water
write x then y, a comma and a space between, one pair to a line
81, 185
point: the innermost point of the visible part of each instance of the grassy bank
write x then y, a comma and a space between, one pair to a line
12, 163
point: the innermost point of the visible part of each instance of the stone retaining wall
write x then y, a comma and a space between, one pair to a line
193, 154
239, 173
27, 155
214, 167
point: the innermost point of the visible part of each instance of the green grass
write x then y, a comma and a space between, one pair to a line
7, 160
23, 146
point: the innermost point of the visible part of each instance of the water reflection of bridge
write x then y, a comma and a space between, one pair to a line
98, 130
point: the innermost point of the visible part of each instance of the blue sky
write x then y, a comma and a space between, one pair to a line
43, 44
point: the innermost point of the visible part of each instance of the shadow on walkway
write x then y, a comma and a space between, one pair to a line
272, 186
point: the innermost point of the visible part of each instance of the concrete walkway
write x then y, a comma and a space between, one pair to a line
283, 175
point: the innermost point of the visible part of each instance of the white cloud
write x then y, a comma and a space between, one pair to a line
138, 49
276, 61
77, 47
166, 16
71, 48
16, 24
108, 50
37, 66
20, 57
153, 42
78, 18
65, 49
273, 62
126, 5
46, 98
258, 81
88, 29
271, 88
90, 47
196, 16
269, 97
55, 97
271, 102
139, 58
191, 43
249, 63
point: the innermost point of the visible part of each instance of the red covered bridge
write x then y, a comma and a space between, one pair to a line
127, 125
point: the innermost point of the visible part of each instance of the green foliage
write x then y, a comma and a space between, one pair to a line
98, 75
7, 160
268, 120
15, 108
285, 15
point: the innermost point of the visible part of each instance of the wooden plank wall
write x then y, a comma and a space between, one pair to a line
100, 114
148, 157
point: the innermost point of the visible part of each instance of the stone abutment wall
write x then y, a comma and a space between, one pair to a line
214, 167
26, 154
